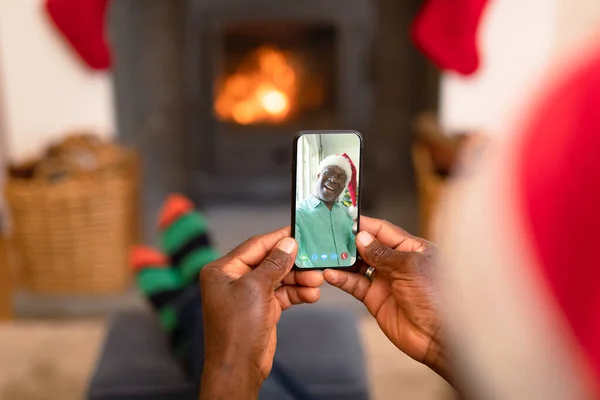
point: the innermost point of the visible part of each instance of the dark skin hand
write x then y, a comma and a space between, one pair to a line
243, 296
401, 295
330, 184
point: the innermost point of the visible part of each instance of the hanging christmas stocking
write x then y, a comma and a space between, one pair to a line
446, 32
81, 22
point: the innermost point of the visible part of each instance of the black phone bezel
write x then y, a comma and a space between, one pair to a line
358, 195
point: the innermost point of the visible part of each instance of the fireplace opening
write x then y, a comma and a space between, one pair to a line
275, 73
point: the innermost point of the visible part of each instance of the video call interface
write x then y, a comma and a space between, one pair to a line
327, 176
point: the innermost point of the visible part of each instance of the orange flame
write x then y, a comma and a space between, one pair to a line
261, 89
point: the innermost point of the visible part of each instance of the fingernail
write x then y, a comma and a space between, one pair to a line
287, 245
365, 238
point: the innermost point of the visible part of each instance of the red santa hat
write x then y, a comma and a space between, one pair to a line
345, 163
521, 275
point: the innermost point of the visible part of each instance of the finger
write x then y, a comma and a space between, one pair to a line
278, 262
255, 249
391, 235
350, 282
362, 268
304, 278
384, 259
292, 295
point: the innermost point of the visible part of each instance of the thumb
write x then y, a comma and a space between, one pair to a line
278, 262
384, 259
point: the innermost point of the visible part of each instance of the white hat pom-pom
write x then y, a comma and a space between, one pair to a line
353, 211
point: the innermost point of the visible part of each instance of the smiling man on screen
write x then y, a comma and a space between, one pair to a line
323, 224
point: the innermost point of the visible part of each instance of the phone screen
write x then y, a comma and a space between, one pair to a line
326, 198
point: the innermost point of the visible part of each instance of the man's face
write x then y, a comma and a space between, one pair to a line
330, 183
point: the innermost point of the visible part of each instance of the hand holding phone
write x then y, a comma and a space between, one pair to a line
326, 198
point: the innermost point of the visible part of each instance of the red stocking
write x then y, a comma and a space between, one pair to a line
446, 31
82, 23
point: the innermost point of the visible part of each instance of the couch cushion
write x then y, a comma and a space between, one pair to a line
137, 363
319, 357
319, 353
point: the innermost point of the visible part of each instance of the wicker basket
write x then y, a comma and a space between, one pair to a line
72, 236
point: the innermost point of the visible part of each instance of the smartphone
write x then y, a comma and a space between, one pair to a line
326, 183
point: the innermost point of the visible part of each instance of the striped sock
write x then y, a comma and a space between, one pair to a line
175, 303
160, 283
185, 238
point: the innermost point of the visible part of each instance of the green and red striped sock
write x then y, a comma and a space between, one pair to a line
170, 282
160, 283
175, 302
185, 238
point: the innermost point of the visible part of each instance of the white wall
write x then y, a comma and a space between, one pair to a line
45, 90
522, 43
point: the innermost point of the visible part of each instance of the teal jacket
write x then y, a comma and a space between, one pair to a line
325, 238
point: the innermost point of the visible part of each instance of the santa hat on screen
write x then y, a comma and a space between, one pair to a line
521, 273
345, 163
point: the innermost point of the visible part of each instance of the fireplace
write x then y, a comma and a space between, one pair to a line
276, 73
257, 72
173, 59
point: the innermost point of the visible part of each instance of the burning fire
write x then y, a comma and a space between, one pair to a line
261, 89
